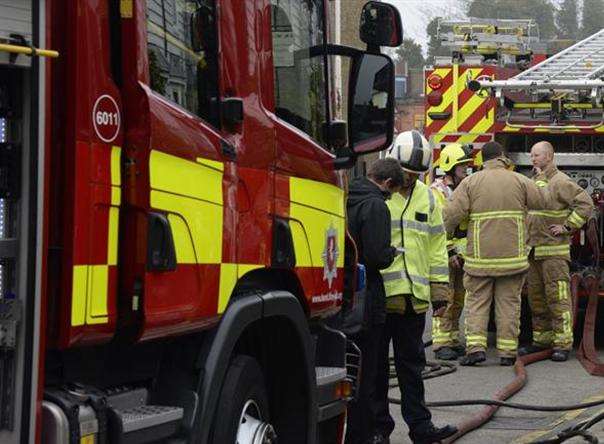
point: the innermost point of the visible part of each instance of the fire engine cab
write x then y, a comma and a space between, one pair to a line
172, 217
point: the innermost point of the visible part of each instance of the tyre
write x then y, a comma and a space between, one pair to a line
243, 413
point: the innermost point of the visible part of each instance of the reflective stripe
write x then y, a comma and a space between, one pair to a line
415, 225
507, 344
476, 340
562, 290
432, 202
552, 250
437, 229
521, 244
566, 335
506, 262
549, 213
496, 215
439, 270
394, 275
477, 238
575, 220
543, 337
410, 224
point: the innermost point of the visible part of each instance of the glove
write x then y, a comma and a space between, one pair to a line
456, 262
438, 308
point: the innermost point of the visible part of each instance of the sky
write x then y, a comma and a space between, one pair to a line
416, 14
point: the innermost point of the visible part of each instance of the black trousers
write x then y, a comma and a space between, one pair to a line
406, 333
361, 414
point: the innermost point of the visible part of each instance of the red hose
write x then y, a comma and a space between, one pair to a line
486, 413
587, 354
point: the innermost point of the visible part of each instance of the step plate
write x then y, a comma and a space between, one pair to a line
329, 375
146, 416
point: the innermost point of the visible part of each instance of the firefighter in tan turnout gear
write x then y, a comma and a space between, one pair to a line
549, 238
453, 161
495, 200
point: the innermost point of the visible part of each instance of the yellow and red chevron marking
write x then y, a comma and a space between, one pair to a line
438, 139
471, 115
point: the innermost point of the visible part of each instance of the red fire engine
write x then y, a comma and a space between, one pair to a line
172, 217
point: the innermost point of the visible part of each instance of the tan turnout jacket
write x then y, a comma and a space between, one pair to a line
570, 205
496, 201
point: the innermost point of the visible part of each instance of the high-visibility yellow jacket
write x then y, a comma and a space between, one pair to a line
457, 242
496, 201
570, 205
421, 267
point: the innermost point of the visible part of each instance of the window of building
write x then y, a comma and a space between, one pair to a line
400, 87
177, 71
300, 80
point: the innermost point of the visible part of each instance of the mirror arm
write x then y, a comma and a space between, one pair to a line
344, 163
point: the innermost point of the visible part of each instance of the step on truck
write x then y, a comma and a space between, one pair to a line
172, 217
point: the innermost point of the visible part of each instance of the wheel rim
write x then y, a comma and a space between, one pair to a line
252, 429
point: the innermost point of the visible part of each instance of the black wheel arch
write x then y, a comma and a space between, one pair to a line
242, 312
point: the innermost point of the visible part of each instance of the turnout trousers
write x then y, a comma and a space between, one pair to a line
445, 330
406, 333
550, 301
505, 291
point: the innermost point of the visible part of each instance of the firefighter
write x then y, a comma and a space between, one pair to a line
417, 277
549, 238
495, 201
453, 161
369, 225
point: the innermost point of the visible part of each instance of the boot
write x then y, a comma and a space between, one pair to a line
532, 348
446, 353
379, 439
459, 349
507, 361
473, 358
560, 355
433, 434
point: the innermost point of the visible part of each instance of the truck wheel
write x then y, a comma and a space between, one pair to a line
243, 413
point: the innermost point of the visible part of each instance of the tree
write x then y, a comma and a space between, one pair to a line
567, 20
542, 11
593, 17
435, 47
411, 53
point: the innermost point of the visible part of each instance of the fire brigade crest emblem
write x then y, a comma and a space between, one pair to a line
330, 256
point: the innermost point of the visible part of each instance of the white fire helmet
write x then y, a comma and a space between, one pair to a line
412, 150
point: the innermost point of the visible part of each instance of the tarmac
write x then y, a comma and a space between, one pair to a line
548, 383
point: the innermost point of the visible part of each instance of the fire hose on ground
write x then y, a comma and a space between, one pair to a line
586, 354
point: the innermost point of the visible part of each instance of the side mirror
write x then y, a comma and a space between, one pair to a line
381, 25
202, 28
371, 104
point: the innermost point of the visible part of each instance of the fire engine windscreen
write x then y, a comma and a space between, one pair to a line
300, 81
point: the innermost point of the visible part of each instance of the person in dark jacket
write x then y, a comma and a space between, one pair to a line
369, 226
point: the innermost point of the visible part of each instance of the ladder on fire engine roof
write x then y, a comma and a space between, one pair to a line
578, 67
491, 35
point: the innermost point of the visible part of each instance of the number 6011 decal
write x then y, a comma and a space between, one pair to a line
106, 118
